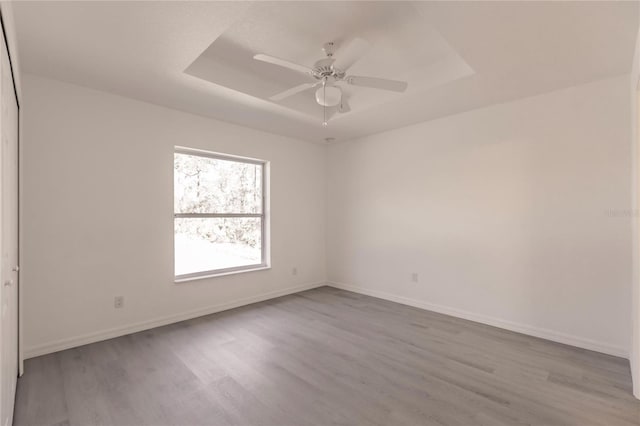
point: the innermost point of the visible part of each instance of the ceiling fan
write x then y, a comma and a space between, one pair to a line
329, 73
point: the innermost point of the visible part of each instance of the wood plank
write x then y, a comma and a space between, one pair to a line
326, 356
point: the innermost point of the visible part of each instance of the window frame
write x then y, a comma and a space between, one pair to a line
263, 215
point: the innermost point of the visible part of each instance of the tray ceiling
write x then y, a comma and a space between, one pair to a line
196, 56
403, 47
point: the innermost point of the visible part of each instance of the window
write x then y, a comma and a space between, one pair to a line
219, 213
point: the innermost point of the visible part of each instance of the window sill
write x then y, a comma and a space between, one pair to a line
220, 274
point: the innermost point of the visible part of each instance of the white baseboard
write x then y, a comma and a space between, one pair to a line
542, 333
85, 339
547, 334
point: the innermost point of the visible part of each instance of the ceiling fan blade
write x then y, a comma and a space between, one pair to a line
282, 62
343, 106
290, 92
350, 54
377, 83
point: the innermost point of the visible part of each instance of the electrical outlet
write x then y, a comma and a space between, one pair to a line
294, 271
118, 302
414, 277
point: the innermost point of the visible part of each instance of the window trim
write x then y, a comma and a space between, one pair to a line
264, 216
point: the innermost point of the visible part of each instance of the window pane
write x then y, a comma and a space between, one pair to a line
206, 244
210, 185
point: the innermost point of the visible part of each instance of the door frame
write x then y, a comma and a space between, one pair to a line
12, 67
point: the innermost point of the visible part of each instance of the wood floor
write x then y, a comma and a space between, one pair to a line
326, 357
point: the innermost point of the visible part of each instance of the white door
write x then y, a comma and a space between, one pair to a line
8, 237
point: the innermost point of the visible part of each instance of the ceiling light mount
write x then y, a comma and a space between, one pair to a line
329, 49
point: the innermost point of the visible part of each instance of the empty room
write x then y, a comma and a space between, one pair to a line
314, 213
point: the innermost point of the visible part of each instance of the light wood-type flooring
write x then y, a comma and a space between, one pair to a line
326, 357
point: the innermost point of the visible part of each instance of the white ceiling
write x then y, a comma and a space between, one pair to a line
456, 56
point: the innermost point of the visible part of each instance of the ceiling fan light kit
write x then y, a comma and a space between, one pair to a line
328, 96
329, 72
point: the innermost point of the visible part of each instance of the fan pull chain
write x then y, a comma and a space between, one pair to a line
324, 106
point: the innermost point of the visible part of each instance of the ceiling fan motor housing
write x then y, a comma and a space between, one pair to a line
324, 68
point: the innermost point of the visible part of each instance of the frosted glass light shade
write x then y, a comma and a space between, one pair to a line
328, 96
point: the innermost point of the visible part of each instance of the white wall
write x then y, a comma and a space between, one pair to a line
634, 85
502, 211
98, 214
514, 215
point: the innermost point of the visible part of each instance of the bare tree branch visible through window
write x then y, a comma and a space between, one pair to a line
219, 219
